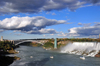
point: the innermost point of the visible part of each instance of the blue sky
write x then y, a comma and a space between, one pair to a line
29, 19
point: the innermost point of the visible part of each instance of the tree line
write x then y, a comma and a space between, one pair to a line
79, 39
6, 45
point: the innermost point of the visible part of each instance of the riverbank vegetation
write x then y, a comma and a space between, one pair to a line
79, 39
34, 44
7, 47
50, 45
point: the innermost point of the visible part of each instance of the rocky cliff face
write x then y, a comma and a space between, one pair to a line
98, 55
63, 42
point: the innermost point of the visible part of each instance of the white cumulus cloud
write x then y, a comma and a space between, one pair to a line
86, 31
32, 25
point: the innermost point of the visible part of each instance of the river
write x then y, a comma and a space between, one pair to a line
37, 56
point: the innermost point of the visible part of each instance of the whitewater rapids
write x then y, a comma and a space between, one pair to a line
82, 48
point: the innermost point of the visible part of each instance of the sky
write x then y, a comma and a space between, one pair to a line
32, 19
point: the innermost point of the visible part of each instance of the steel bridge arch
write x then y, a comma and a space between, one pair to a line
28, 41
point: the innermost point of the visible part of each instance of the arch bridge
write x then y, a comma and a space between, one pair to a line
42, 42
22, 41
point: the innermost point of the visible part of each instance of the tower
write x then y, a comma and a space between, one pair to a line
55, 43
1, 38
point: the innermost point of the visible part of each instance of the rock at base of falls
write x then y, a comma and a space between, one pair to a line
98, 55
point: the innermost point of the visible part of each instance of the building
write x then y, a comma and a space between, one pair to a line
1, 38
99, 36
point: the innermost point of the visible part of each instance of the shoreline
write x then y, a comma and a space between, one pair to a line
7, 60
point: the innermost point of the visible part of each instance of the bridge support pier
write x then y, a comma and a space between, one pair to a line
55, 43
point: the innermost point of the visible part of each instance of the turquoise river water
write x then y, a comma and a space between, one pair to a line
37, 56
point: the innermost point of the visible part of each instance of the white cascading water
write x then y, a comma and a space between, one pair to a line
82, 48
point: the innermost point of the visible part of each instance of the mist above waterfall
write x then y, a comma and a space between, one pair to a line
82, 48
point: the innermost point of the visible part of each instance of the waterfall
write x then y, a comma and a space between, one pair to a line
82, 48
